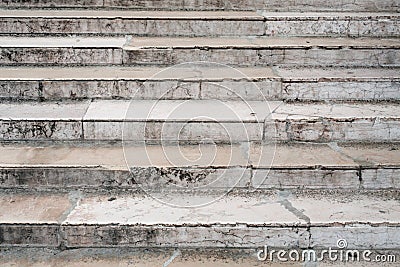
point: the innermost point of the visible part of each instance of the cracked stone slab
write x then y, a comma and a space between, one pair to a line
59, 51
138, 23
203, 226
330, 122
331, 24
281, 166
200, 120
275, 5
279, 219
55, 83
171, 120
181, 82
43, 111
295, 51
373, 155
302, 166
272, 42
324, 6
32, 121
196, 23
38, 209
379, 163
357, 237
339, 83
81, 13
369, 210
31, 220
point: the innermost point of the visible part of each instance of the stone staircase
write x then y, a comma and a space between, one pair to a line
199, 124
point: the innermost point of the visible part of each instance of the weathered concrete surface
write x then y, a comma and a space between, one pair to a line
295, 51
384, 157
302, 166
279, 219
130, 257
189, 23
339, 84
334, 122
138, 23
61, 51
345, 52
185, 120
331, 24
199, 82
20, 121
27, 220
241, 166
200, 121
275, 5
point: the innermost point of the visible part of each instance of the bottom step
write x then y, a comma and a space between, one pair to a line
128, 257
285, 219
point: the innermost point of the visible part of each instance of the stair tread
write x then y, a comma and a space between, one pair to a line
195, 42
142, 73
192, 73
186, 15
79, 42
191, 15
251, 210
116, 110
260, 42
295, 155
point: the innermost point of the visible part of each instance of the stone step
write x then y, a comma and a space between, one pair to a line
271, 5
199, 81
138, 23
200, 121
174, 257
245, 167
281, 219
197, 23
61, 51
337, 52
295, 51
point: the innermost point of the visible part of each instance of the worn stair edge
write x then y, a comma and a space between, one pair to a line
220, 121
198, 82
275, 5
46, 257
344, 52
153, 23
280, 219
294, 51
279, 166
133, 23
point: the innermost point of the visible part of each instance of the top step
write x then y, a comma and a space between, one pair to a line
270, 5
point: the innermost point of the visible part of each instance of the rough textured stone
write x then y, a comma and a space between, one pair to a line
331, 24
131, 22
362, 52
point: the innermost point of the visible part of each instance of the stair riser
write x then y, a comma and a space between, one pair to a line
273, 5
140, 89
74, 236
67, 179
335, 27
328, 26
266, 57
146, 27
345, 57
320, 130
268, 89
327, 130
60, 56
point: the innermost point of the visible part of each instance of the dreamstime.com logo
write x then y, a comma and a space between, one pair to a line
338, 254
